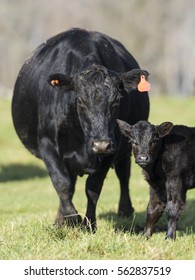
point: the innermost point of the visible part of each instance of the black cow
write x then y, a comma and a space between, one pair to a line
166, 154
67, 97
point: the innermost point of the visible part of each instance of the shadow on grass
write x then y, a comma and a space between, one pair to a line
135, 224
123, 224
17, 172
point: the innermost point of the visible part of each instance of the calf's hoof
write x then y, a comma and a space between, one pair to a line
147, 234
171, 234
170, 237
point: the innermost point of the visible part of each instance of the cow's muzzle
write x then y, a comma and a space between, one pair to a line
102, 146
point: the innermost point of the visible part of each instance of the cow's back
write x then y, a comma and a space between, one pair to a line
69, 52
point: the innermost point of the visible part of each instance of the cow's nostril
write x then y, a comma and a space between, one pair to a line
101, 146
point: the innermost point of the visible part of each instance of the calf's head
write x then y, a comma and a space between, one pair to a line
97, 100
145, 139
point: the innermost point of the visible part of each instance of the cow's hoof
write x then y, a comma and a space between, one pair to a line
125, 211
73, 220
59, 221
70, 220
90, 225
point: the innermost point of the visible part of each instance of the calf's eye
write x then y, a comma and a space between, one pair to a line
153, 143
135, 144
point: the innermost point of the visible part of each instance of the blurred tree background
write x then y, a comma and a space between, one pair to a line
159, 33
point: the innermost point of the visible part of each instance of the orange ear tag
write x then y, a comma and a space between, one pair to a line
54, 82
143, 84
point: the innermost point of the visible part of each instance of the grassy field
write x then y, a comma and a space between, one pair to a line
28, 205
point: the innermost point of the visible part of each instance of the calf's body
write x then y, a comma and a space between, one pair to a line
166, 154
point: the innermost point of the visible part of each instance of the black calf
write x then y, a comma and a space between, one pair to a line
166, 154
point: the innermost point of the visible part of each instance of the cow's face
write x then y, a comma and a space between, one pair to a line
98, 94
145, 139
98, 101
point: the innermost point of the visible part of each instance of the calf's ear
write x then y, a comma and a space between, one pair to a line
164, 128
61, 81
124, 127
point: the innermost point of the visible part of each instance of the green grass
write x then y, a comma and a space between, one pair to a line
28, 205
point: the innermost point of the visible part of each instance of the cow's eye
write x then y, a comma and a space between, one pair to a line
115, 101
115, 107
80, 102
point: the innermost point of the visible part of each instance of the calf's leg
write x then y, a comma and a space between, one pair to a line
155, 210
63, 183
176, 197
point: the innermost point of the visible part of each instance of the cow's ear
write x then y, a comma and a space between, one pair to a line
135, 79
61, 81
164, 128
125, 128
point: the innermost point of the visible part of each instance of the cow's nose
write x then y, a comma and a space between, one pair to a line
103, 146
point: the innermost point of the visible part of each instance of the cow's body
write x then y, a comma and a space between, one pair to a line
166, 154
68, 122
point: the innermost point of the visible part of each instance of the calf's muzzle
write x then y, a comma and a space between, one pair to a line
143, 160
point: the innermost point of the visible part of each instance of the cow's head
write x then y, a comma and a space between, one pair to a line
98, 93
145, 139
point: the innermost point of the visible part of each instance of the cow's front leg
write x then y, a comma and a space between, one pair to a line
155, 210
94, 185
176, 197
63, 183
122, 169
